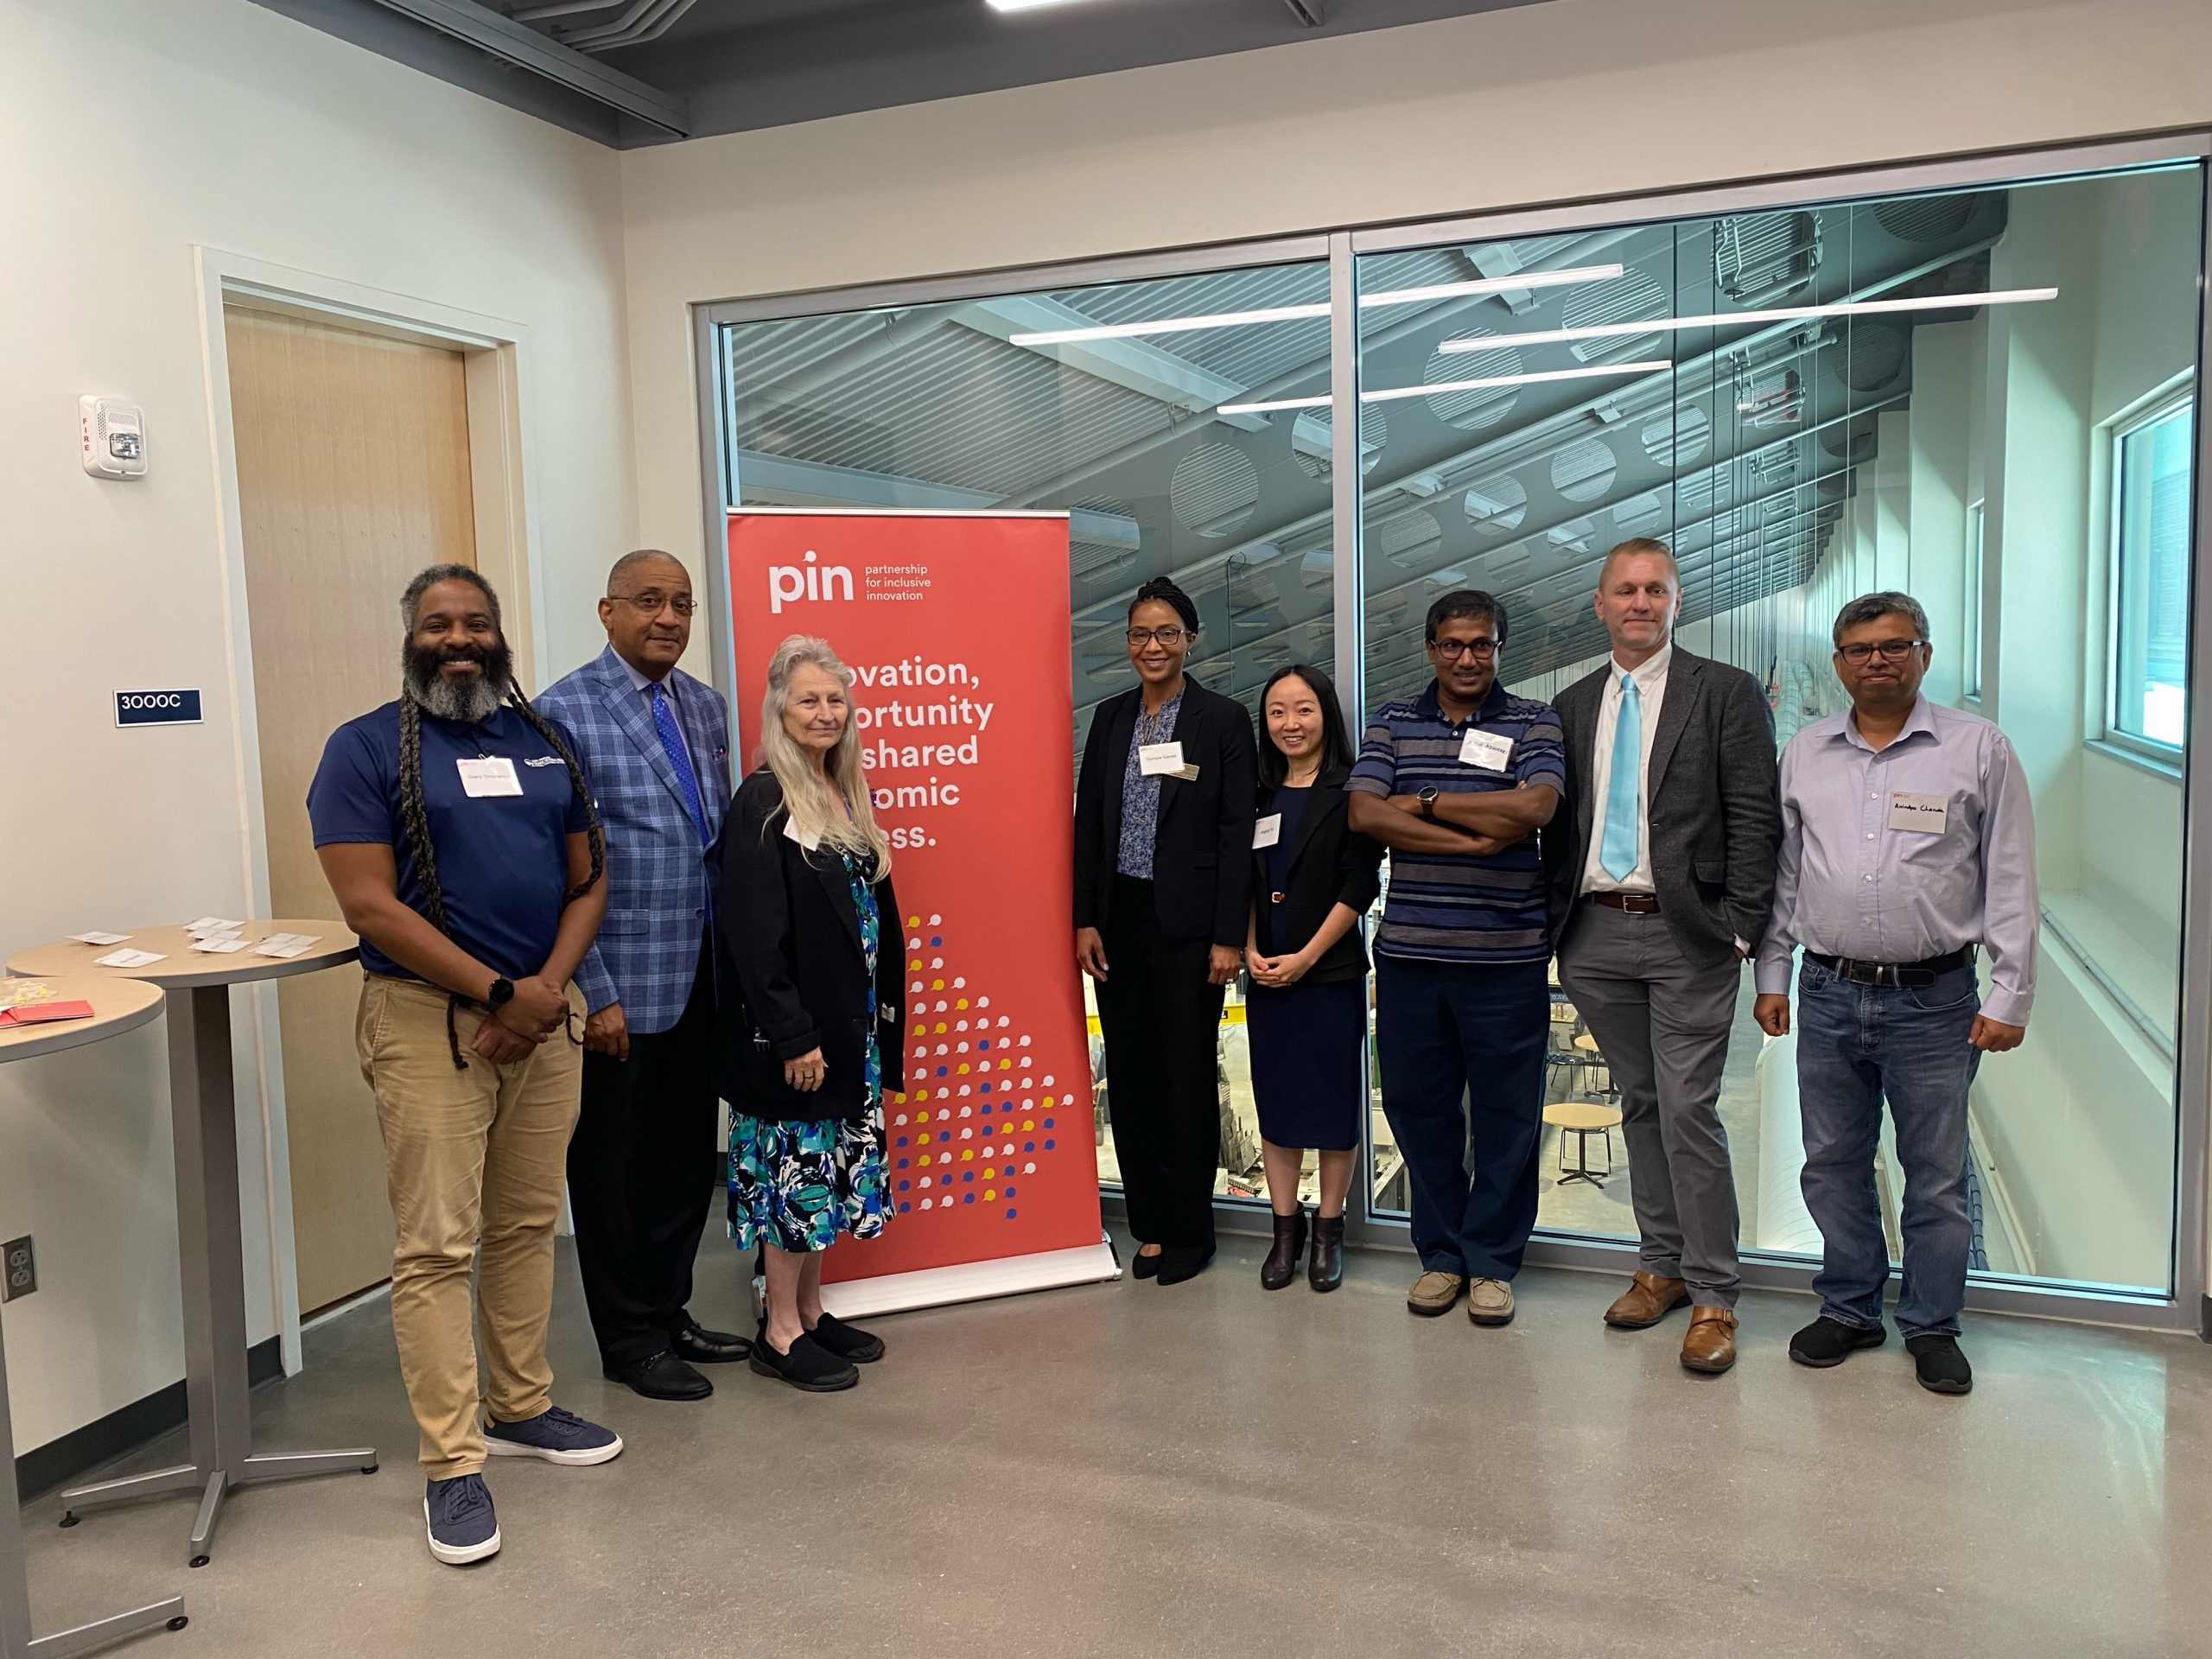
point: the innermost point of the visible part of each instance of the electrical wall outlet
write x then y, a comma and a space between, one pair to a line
18, 1268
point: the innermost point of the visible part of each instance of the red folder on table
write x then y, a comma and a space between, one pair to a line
38, 1013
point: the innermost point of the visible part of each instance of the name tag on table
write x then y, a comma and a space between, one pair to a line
1162, 760
1925, 813
1488, 750
491, 775
1267, 831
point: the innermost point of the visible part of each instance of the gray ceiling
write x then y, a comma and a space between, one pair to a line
631, 72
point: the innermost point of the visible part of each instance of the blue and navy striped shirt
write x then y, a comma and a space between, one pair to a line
1462, 908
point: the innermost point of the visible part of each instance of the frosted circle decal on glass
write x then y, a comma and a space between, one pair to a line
1477, 406
1312, 432
1678, 437
1214, 489
1496, 505
1584, 470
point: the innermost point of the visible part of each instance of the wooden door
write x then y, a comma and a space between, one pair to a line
353, 473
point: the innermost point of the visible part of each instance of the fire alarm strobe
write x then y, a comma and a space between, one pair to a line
112, 435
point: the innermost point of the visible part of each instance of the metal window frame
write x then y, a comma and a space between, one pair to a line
2115, 436
2184, 1305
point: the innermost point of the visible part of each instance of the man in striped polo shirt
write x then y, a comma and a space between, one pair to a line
1456, 783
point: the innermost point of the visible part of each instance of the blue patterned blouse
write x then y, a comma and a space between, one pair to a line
857, 871
1140, 793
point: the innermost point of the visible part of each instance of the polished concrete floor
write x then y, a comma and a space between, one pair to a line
1206, 1470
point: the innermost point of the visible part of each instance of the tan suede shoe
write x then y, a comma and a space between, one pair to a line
1710, 1343
1489, 1302
1648, 1299
1434, 1293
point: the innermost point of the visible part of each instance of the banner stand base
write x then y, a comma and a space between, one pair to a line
971, 1282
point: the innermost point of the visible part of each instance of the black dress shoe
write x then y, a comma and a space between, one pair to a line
1144, 1267
1281, 1266
1180, 1261
1325, 1267
661, 1376
703, 1347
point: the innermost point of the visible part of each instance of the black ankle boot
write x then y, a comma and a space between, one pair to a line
1324, 1268
1281, 1265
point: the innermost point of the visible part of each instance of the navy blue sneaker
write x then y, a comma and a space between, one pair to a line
459, 1514
555, 1436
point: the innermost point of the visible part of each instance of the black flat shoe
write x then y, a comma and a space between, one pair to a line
1144, 1267
1828, 1342
661, 1376
808, 1367
1938, 1364
1281, 1264
833, 1335
1325, 1267
704, 1347
1178, 1263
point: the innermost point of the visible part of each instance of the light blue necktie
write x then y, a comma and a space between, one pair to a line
1617, 851
671, 744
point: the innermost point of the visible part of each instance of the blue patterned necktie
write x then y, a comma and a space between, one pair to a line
1617, 851
671, 744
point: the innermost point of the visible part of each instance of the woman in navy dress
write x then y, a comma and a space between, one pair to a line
1312, 879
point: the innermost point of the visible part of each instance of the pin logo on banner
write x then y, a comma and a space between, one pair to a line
789, 583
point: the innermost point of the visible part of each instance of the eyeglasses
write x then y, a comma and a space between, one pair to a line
1481, 650
652, 604
1859, 653
1139, 637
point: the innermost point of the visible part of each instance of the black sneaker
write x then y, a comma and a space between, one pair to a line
846, 1341
1827, 1342
1938, 1364
459, 1514
809, 1366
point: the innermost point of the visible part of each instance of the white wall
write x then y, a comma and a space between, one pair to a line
239, 129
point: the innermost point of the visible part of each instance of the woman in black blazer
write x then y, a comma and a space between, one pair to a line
809, 1021
1313, 881
1163, 833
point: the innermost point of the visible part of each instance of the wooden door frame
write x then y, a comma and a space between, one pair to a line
497, 362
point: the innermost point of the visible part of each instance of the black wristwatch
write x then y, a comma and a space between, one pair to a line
1426, 797
501, 994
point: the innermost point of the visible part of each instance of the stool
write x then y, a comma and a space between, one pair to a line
1593, 1062
1582, 1119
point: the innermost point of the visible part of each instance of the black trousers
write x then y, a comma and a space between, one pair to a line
641, 1177
1160, 1018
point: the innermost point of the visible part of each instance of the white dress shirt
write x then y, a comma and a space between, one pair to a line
1650, 689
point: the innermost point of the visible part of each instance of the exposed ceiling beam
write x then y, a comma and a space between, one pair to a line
808, 482
1135, 364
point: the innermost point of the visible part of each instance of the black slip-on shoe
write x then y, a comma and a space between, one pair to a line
693, 1342
808, 1367
833, 1336
1827, 1342
1179, 1262
661, 1376
1938, 1364
1145, 1267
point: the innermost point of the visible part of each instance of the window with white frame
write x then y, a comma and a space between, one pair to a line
2150, 556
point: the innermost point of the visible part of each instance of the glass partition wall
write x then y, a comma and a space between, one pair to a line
1983, 393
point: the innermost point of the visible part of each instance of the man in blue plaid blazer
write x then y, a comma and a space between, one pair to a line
642, 1165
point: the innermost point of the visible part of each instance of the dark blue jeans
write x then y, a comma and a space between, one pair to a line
1461, 1046
1857, 1044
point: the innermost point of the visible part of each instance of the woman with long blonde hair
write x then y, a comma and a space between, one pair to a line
812, 1027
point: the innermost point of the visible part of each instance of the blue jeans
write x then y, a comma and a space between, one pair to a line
1461, 1050
1857, 1044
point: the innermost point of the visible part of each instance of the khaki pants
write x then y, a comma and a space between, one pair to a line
474, 1159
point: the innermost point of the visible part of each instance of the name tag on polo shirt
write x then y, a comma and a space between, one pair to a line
1926, 813
1267, 831
1161, 761
488, 774
1488, 750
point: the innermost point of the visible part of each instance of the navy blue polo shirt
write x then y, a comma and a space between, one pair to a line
502, 860
1453, 906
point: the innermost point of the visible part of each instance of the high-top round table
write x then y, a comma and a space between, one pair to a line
117, 1006
203, 1119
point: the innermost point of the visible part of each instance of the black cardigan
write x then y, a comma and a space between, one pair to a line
1329, 865
1201, 860
792, 976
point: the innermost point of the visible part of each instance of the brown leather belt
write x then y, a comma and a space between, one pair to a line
1635, 904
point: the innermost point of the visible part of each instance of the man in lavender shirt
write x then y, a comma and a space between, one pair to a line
1908, 843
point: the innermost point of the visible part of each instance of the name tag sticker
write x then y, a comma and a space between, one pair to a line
1161, 761
488, 775
1267, 831
1925, 813
790, 833
1488, 750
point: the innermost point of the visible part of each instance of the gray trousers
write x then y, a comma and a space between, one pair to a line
1662, 1023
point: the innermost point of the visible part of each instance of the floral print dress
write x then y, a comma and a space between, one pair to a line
798, 1185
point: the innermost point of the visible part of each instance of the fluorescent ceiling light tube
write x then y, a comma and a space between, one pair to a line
1388, 393
1788, 313
1319, 309
1024, 5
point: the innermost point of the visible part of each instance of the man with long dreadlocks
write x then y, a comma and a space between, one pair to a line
456, 830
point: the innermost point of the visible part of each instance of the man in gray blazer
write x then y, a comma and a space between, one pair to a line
1661, 875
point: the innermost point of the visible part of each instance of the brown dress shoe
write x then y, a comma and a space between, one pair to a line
1648, 1299
1710, 1343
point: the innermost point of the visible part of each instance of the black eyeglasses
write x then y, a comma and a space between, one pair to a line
1453, 650
652, 604
1859, 653
1139, 637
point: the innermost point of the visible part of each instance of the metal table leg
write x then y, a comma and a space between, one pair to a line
15, 1639
204, 1122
